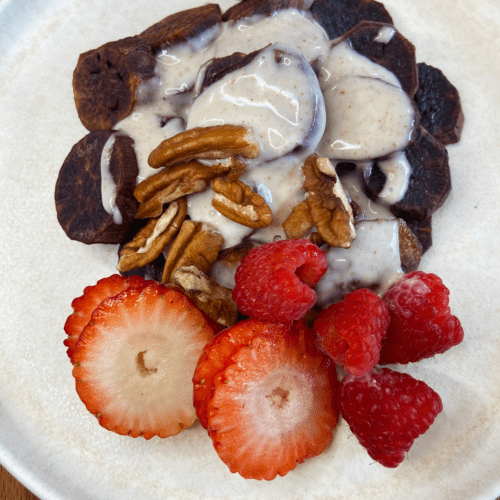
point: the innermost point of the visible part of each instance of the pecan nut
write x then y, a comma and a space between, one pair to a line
299, 222
330, 208
195, 245
216, 142
172, 183
239, 203
214, 300
150, 241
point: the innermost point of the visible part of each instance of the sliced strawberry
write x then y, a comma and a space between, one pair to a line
216, 354
84, 306
135, 361
273, 405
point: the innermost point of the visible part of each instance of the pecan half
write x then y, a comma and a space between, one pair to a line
216, 142
299, 222
239, 203
330, 208
150, 241
172, 183
410, 249
214, 300
195, 245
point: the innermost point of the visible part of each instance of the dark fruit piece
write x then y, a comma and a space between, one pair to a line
339, 16
410, 248
398, 55
78, 197
438, 103
430, 179
105, 81
248, 8
422, 229
181, 26
219, 67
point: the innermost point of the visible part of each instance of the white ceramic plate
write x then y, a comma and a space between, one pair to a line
47, 438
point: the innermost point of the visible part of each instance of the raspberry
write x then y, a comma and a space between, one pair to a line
387, 411
273, 282
351, 331
421, 323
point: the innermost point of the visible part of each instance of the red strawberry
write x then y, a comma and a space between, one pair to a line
84, 306
387, 411
351, 331
274, 282
273, 405
135, 360
216, 355
421, 323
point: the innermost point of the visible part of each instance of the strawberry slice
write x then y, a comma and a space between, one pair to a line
273, 405
216, 354
135, 361
84, 306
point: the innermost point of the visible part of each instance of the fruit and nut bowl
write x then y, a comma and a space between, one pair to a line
268, 175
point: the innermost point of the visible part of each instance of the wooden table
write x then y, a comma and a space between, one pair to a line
12, 489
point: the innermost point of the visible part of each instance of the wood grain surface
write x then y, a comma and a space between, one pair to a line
12, 489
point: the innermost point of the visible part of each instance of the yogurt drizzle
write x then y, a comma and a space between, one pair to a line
284, 106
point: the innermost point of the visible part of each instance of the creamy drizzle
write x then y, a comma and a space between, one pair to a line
108, 185
372, 261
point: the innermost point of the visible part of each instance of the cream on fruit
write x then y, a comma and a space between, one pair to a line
301, 94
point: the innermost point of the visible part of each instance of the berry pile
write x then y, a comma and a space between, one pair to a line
147, 363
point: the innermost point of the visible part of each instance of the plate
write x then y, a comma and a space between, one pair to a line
49, 441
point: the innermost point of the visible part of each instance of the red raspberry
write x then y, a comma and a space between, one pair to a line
421, 323
273, 282
351, 331
387, 411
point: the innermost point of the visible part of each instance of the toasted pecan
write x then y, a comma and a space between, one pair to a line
150, 241
216, 142
299, 222
239, 203
330, 208
195, 245
172, 183
214, 300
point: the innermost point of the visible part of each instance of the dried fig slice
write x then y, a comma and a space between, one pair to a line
397, 54
78, 196
248, 8
181, 26
438, 103
430, 179
339, 16
105, 81
422, 229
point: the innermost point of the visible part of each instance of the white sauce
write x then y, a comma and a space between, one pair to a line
366, 118
280, 101
373, 259
108, 185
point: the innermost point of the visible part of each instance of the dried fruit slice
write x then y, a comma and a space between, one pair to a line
181, 26
248, 8
438, 103
273, 405
105, 81
429, 183
134, 362
78, 193
339, 16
